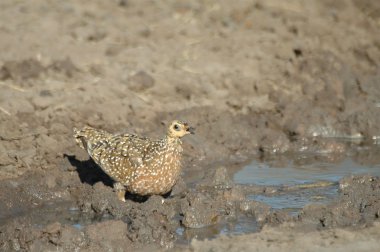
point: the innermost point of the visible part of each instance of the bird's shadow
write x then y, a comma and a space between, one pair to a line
90, 173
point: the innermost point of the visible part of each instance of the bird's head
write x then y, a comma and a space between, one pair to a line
178, 129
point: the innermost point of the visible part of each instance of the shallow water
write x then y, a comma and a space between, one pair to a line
296, 200
317, 181
292, 174
241, 225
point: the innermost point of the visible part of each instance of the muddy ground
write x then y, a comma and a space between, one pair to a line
256, 78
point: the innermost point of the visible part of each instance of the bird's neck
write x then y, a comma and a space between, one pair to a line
173, 140
174, 146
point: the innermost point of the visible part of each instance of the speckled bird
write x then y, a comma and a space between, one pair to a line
140, 165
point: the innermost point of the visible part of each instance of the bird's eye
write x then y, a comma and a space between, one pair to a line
176, 127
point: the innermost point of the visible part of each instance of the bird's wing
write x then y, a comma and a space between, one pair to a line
121, 155
89, 138
132, 148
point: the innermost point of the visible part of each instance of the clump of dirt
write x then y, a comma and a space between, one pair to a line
150, 221
96, 237
23, 70
358, 204
140, 82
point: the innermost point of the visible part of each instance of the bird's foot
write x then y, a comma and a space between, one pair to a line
120, 191
121, 195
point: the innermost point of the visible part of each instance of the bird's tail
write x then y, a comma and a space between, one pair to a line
88, 136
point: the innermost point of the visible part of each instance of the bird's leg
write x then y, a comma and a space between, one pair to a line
120, 190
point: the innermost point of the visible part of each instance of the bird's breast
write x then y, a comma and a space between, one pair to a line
158, 176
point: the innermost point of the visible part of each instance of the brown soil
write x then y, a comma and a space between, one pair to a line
256, 79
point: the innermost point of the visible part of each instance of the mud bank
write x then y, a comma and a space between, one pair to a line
290, 238
257, 79
97, 220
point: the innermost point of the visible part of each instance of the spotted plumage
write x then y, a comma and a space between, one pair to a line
141, 165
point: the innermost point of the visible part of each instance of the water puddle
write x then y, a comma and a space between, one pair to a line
61, 212
292, 202
241, 225
310, 181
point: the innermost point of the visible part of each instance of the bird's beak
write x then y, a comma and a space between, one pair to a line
191, 130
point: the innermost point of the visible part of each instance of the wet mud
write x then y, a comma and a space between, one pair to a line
263, 80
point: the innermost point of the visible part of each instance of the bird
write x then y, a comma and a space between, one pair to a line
139, 165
